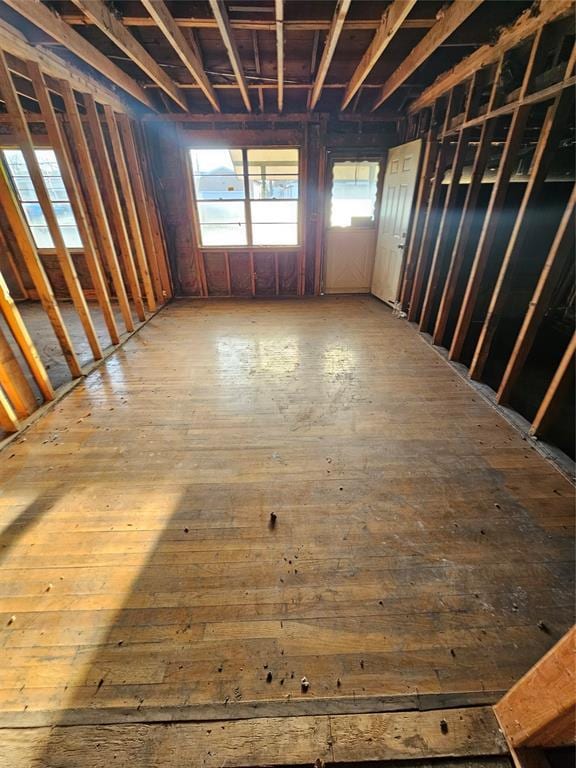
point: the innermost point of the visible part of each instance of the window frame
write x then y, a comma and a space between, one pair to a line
354, 158
248, 247
49, 251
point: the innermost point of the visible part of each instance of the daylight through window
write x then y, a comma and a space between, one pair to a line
29, 200
246, 197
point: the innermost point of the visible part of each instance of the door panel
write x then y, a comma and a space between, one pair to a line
349, 260
397, 196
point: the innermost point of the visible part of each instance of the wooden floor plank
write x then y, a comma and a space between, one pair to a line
422, 554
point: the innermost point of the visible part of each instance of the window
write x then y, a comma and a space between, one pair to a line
246, 197
354, 191
29, 200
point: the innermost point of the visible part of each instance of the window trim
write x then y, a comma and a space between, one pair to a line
45, 251
247, 248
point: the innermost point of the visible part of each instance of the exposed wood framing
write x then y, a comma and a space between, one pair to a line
336, 27
13, 319
14, 382
392, 20
279, 11
96, 204
36, 270
561, 250
551, 400
24, 142
163, 19
37, 13
550, 135
8, 419
455, 15
221, 16
59, 145
113, 28
538, 711
524, 28
113, 202
130, 207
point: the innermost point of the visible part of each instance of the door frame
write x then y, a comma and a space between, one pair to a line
337, 156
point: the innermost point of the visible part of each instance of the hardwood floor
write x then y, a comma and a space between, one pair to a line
422, 549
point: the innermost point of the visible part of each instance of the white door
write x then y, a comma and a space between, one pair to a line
350, 237
397, 196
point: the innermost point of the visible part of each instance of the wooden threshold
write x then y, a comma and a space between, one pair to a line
287, 741
250, 710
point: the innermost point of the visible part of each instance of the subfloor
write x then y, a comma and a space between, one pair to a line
421, 556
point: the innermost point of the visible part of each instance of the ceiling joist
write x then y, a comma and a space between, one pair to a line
164, 20
97, 12
221, 16
336, 27
392, 20
279, 11
453, 17
50, 23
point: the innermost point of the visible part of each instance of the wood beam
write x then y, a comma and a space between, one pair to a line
221, 16
130, 206
561, 250
455, 15
550, 402
392, 20
164, 20
27, 249
14, 320
23, 140
279, 11
14, 382
50, 23
113, 28
525, 26
114, 205
59, 145
336, 27
553, 128
8, 419
96, 204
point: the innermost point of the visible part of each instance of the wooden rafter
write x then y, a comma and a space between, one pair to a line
336, 27
24, 141
279, 11
59, 145
164, 20
544, 415
523, 28
221, 16
392, 20
14, 382
454, 16
113, 28
37, 13
8, 419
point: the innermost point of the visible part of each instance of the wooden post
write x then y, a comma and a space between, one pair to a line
101, 225
107, 177
58, 144
24, 141
143, 212
24, 340
561, 250
130, 207
550, 134
14, 382
557, 386
29, 254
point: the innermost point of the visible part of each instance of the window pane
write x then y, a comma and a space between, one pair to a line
71, 237
42, 237
217, 162
34, 215
275, 212
274, 187
217, 213
268, 162
47, 161
56, 188
25, 188
16, 162
223, 234
219, 187
354, 189
275, 234
64, 215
